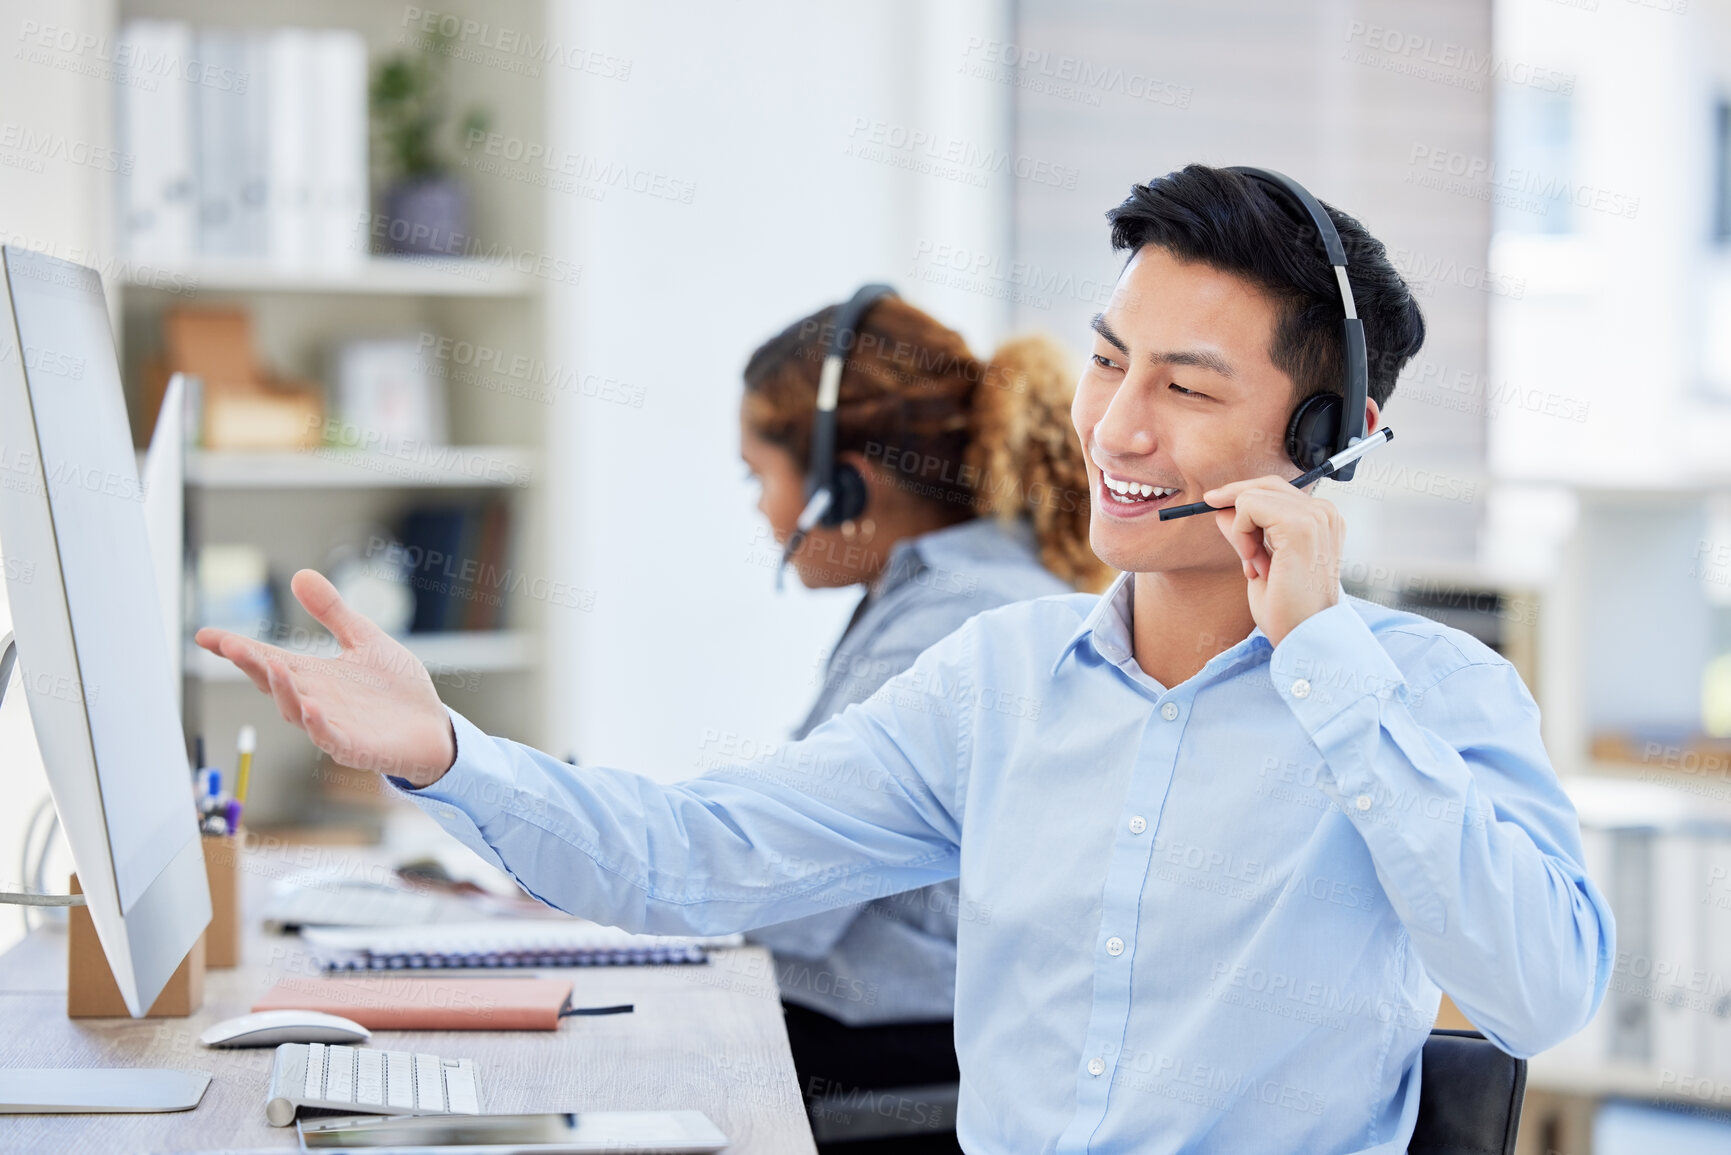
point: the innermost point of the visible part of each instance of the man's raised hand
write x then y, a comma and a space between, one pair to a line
372, 707
1289, 544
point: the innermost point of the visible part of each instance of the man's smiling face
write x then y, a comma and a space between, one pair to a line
1179, 394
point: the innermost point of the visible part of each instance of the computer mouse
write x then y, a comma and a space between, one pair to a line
268, 1028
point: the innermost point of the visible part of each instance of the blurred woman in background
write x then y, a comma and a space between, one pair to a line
975, 496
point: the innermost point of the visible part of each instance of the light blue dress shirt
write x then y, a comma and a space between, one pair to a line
1212, 917
894, 959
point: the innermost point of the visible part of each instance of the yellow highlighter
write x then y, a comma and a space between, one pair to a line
247, 742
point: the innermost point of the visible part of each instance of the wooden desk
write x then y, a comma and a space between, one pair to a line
708, 1038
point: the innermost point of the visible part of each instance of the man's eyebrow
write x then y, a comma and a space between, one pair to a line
1198, 358
1105, 330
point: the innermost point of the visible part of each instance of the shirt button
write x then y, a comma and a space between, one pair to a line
1301, 689
1138, 824
1114, 946
1363, 802
1096, 1066
1169, 711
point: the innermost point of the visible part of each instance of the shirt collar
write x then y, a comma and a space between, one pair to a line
1106, 629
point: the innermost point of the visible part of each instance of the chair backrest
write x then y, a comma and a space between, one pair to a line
1469, 1097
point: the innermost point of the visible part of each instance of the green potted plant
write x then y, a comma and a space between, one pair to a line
425, 206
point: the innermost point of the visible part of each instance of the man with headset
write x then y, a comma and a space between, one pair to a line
1223, 833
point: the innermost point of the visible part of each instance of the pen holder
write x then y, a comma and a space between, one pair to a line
92, 993
222, 867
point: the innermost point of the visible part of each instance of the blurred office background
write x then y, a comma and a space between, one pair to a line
476, 281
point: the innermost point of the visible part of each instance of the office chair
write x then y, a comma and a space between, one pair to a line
1469, 1098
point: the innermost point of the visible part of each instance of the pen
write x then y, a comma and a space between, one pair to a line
247, 742
621, 1009
1345, 457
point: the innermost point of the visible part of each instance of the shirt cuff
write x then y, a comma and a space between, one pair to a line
470, 794
1334, 675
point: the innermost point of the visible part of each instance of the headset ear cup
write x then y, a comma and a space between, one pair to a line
850, 496
1313, 430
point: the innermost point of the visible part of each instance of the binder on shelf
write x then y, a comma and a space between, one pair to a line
252, 148
337, 111
219, 133
287, 96
1715, 938
487, 609
1629, 999
263, 158
158, 197
432, 539
456, 566
1677, 958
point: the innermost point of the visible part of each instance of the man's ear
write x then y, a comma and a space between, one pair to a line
1372, 416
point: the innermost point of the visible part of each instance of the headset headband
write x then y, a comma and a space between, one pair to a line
1357, 367
820, 477
828, 501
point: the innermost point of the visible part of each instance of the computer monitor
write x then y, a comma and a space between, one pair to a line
92, 648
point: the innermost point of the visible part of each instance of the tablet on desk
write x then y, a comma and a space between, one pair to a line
675, 1132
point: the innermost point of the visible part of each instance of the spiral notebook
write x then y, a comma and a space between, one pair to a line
502, 945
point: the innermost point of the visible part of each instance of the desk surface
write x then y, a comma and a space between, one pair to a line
709, 1038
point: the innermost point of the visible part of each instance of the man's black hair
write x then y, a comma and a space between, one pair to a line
1241, 225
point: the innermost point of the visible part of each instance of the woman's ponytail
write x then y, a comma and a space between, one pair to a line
1023, 450
974, 438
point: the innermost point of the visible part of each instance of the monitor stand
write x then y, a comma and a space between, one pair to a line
89, 1090
93, 1090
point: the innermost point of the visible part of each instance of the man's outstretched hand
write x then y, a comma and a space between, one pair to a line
372, 707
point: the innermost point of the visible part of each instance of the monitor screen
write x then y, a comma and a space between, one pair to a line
122, 675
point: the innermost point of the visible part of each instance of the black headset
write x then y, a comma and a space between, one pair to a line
1324, 424
1321, 426
834, 492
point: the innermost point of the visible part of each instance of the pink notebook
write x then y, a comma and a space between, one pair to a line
427, 1002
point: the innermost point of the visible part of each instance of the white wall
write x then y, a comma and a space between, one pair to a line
757, 105
1345, 96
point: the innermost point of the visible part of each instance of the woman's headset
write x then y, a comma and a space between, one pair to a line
1324, 423
835, 492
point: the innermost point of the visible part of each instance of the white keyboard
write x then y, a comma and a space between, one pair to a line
347, 905
335, 1078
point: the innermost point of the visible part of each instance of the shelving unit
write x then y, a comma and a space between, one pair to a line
300, 505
